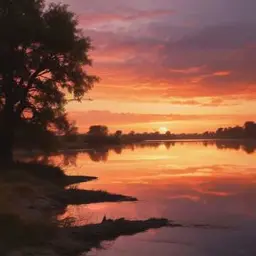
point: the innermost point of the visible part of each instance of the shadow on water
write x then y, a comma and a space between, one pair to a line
109, 229
101, 153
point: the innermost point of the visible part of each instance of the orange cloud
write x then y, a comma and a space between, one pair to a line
190, 70
96, 18
214, 102
161, 68
185, 102
222, 73
161, 63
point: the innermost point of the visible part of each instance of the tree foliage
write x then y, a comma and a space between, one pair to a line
43, 59
118, 133
98, 130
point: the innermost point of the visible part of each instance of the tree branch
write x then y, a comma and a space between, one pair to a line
43, 73
88, 99
31, 80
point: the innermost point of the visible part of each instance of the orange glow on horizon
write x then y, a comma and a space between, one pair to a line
169, 76
163, 130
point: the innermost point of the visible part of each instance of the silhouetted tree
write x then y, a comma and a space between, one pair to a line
250, 129
168, 134
219, 132
43, 56
98, 130
118, 133
230, 132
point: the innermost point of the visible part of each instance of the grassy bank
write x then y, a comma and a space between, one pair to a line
32, 196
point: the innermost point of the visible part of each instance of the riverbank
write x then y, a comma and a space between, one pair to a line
31, 198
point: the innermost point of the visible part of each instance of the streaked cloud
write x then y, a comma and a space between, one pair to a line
92, 18
197, 54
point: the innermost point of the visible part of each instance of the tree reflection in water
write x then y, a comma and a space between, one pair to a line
101, 154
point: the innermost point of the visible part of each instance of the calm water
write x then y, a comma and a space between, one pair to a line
189, 182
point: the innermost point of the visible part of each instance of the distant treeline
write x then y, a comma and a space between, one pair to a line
247, 131
99, 135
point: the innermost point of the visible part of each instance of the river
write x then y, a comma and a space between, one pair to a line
192, 182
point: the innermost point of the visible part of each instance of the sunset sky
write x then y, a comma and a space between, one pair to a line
188, 65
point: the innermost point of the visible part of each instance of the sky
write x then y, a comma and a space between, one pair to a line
187, 65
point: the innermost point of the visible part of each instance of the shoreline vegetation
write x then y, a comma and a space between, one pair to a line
34, 195
98, 136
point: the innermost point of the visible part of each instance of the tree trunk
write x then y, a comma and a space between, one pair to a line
7, 135
6, 150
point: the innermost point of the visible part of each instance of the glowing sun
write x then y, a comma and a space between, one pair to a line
163, 130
